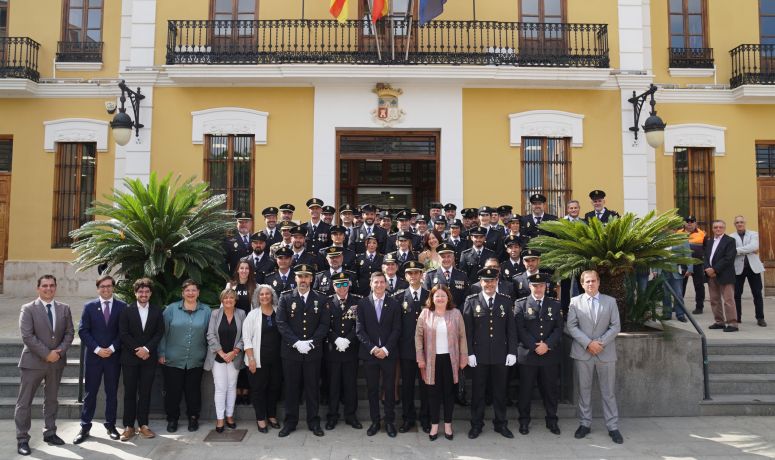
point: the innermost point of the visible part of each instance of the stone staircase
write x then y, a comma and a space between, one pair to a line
742, 378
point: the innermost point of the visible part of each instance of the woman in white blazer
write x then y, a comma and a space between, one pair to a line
262, 356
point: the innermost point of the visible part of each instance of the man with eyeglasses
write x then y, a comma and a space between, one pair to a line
749, 267
719, 266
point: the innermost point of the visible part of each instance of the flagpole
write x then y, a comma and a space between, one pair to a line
474, 3
408, 42
302, 9
373, 29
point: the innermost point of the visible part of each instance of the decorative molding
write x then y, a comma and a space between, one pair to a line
546, 123
75, 130
73, 66
228, 120
695, 135
691, 72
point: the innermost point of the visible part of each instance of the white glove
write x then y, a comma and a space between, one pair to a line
341, 343
471, 360
302, 346
310, 344
511, 360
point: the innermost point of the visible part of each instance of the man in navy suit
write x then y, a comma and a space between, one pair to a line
101, 341
378, 328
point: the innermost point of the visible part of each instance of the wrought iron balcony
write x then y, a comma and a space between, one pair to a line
288, 41
79, 52
19, 58
691, 58
753, 64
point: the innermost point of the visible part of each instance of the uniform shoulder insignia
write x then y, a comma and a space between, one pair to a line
349, 272
522, 299
499, 294
286, 292
471, 296
398, 293
274, 272
520, 273
356, 296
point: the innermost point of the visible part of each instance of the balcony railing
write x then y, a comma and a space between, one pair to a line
19, 58
79, 52
691, 58
289, 41
753, 64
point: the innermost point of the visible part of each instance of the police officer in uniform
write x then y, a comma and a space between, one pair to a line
328, 212
492, 338
286, 211
367, 229
271, 230
472, 259
450, 213
599, 210
324, 278
412, 301
390, 269
337, 233
346, 220
316, 230
342, 353
303, 322
238, 246
286, 240
513, 264
368, 262
539, 327
504, 214
403, 252
404, 219
532, 260
283, 278
259, 260
530, 222
301, 253
504, 286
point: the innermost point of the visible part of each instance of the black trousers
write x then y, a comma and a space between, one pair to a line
265, 387
98, 371
179, 382
755, 283
548, 379
698, 280
384, 369
298, 375
493, 377
138, 380
442, 390
409, 374
342, 385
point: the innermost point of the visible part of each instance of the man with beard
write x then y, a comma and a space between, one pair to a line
369, 228
472, 259
238, 246
346, 220
259, 260
537, 215
368, 262
324, 279
301, 255
286, 211
598, 208
270, 221
316, 230
338, 239
285, 238
283, 278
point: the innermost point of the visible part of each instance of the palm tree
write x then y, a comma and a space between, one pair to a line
616, 250
167, 231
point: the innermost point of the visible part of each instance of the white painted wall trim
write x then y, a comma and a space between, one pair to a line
223, 121
75, 130
546, 123
695, 135
690, 72
73, 66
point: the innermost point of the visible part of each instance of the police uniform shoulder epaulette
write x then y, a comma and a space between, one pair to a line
471, 296
287, 291
522, 299
499, 294
349, 272
274, 272
520, 273
399, 292
356, 296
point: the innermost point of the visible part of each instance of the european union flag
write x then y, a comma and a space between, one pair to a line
430, 9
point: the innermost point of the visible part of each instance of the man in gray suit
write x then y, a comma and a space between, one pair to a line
47, 332
593, 322
748, 266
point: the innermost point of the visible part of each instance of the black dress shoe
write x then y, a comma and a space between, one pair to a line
53, 440
426, 428
524, 428
716, 326
331, 424
113, 433
82, 436
23, 448
172, 426
616, 436
761, 322
373, 429
696, 311
460, 399
354, 423
193, 424
553, 427
474, 432
315, 429
406, 426
581, 432
682, 319
731, 329
274, 425
390, 429
287, 429
505, 432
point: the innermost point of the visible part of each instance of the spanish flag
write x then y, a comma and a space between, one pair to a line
379, 9
338, 9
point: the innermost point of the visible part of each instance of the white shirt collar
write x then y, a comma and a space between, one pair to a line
143, 306
44, 302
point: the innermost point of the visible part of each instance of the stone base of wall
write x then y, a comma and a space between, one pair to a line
20, 278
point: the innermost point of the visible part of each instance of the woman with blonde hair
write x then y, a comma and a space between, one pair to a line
442, 350
262, 356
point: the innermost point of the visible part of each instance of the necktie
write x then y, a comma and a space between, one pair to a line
314, 229
478, 254
403, 256
446, 275
415, 297
106, 311
271, 235
50, 315
593, 303
378, 308
391, 284
295, 258
599, 215
368, 231
538, 220
371, 257
539, 306
285, 278
489, 303
245, 240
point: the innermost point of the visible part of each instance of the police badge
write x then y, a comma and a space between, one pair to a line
529, 310
406, 306
478, 309
503, 312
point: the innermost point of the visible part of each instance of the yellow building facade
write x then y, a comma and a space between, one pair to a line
274, 101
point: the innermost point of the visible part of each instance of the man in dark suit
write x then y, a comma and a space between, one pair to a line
494, 232
532, 260
301, 252
378, 328
599, 210
337, 235
367, 263
316, 229
539, 328
140, 327
324, 279
271, 230
412, 300
303, 322
342, 353
472, 259
259, 260
99, 334
46, 328
456, 239
238, 246
513, 263
283, 278
403, 252
360, 234
492, 349
390, 269
530, 222
719, 266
